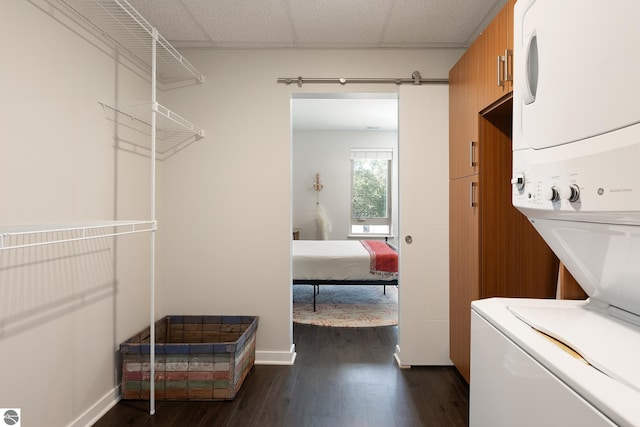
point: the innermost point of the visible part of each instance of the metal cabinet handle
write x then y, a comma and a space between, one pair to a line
472, 194
508, 65
499, 69
472, 154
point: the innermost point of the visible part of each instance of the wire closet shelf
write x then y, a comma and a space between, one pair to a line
120, 22
27, 236
173, 132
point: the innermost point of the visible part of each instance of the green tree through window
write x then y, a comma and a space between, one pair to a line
370, 183
371, 191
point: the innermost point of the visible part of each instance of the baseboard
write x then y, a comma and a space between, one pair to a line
276, 357
435, 360
101, 407
396, 355
110, 399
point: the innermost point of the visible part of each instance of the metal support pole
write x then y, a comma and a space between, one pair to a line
152, 328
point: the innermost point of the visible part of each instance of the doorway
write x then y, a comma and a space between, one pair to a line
327, 129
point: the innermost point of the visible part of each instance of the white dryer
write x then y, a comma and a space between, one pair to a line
576, 161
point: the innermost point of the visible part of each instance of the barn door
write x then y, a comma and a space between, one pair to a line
423, 337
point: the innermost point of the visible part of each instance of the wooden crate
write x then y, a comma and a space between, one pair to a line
196, 358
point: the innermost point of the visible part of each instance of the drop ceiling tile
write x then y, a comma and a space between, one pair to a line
171, 18
339, 22
237, 23
437, 22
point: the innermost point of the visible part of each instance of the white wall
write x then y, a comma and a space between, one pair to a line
224, 203
327, 153
65, 308
227, 208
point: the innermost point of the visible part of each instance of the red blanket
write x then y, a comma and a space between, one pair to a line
384, 260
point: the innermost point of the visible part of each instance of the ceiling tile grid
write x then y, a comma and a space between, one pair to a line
319, 23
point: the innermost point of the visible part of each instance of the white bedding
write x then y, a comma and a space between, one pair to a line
333, 260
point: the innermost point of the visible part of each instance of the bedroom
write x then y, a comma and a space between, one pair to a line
328, 132
224, 204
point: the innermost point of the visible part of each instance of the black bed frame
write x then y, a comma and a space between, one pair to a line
316, 284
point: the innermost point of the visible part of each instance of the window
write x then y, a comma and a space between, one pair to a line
371, 191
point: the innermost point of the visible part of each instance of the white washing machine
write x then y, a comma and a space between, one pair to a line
523, 377
576, 176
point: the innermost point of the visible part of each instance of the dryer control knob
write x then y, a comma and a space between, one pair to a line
552, 194
518, 181
571, 193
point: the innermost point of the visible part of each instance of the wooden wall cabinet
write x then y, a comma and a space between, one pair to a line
496, 63
483, 76
494, 250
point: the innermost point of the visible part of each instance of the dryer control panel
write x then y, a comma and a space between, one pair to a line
597, 179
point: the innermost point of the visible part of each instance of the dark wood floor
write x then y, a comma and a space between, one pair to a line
341, 377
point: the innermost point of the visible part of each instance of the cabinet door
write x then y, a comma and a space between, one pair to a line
497, 57
463, 116
463, 267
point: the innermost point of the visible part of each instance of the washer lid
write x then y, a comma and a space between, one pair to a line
606, 342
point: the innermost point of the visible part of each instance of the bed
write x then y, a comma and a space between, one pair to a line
344, 262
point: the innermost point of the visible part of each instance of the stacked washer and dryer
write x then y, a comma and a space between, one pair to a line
576, 176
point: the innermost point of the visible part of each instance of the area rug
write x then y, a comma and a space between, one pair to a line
346, 306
